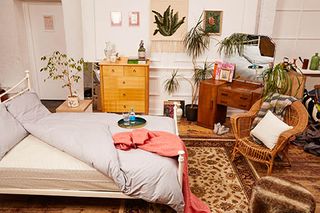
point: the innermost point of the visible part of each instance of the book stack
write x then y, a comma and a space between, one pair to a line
136, 61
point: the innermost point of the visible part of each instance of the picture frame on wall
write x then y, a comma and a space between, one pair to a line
134, 19
116, 18
213, 21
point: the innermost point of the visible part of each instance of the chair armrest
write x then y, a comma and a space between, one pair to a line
241, 124
286, 135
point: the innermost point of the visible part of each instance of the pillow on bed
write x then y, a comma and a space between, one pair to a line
27, 108
11, 131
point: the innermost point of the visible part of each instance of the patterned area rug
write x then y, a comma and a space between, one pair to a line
223, 185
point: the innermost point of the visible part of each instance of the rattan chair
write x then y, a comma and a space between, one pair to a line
295, 115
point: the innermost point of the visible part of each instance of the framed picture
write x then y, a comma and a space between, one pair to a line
168, 108
134, 19
116, 18
224, 74
213, 22
48, 22
223, 71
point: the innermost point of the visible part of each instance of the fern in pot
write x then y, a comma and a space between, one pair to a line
62, 67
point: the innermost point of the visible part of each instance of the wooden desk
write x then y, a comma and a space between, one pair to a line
215, 96
85, 106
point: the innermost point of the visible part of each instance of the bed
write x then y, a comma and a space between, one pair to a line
34, 167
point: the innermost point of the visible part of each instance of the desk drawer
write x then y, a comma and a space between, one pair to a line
234, 99
134, 71
112, 70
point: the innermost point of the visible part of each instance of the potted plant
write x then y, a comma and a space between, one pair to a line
196, 41
200, 73
61, 67
278, 80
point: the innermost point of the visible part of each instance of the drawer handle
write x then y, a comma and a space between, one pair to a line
112, 70
243, 105
134, 70
224, 94
123, 82
124, 106
243, 98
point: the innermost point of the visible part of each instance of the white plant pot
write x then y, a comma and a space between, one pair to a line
73, 101
179, 111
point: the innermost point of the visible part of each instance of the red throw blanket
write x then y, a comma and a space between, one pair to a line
164, 144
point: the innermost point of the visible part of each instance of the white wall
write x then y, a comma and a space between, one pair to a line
238, 16
13, 45
296, 31
72, 15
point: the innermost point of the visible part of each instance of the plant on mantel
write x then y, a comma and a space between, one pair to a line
62, 67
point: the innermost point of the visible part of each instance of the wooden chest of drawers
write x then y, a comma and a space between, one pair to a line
124, 86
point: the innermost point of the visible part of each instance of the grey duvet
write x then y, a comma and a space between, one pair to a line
88, 137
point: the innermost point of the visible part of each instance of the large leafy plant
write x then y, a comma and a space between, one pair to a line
278, 80
196, 41
61, 67
168, 23
235, 43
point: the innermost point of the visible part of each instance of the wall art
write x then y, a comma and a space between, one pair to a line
116, 18
212, 22
134, 19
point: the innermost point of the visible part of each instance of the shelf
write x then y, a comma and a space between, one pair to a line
310, 72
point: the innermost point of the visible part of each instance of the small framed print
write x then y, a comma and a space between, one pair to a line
212, 22
116, 18
224, 74
48, 23
134, 18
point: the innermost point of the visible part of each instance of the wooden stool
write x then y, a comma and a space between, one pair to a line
271, 194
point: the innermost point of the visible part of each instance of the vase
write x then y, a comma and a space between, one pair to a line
179, 111
314, 64
73, 101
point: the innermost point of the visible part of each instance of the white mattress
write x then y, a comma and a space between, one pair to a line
35, 164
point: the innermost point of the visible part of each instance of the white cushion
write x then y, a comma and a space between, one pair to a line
11, 132
269, 129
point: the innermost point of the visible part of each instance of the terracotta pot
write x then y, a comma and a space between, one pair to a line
192, 112
73, 101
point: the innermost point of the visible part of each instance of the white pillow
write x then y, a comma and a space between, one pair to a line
269, 129
11, 132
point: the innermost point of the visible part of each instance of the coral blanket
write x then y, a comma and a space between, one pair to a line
164, 144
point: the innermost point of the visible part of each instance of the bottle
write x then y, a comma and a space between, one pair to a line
314, 65
141, 51
132, 116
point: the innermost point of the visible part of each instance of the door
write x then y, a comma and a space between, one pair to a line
45, 29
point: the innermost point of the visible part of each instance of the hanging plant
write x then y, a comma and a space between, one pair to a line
167, 24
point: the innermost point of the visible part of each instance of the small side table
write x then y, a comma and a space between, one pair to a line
85, 106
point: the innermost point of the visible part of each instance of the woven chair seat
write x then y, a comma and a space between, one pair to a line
254, 151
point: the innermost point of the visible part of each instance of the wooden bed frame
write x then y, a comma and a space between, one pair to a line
77, 193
